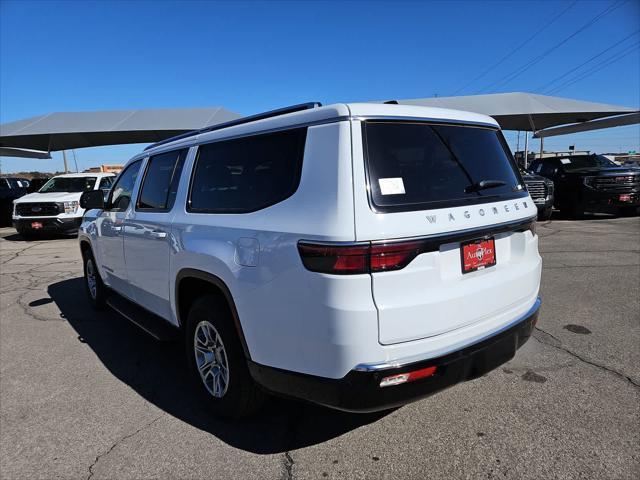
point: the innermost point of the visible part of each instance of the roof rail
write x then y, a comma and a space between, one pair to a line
251, 118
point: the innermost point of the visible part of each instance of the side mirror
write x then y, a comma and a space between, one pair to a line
92, 199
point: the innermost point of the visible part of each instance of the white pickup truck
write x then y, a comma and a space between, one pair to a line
55, 207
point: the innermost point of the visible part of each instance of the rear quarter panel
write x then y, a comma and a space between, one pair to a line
291, 318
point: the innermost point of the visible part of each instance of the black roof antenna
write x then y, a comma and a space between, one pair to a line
391, 102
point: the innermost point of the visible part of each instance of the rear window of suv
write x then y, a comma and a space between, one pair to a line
415, 165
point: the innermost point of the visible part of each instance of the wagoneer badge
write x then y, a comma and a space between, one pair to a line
483, 211
36, 209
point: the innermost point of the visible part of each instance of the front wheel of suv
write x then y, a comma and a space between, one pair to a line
96, 290
216, 360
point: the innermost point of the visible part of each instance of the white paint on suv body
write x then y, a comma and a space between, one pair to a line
323, 324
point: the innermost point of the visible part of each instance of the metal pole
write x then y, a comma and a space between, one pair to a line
541, 146
526, 150
75, 160
64, 157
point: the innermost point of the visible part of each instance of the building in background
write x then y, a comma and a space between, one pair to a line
105, 169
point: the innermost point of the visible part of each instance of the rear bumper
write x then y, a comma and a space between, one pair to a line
360, 391
49, 224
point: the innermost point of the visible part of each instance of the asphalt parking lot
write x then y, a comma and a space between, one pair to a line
88, 395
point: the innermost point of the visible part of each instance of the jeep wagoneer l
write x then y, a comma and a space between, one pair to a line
360, 256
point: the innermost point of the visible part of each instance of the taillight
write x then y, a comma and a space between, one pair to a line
358, 258
393, 256
339, 260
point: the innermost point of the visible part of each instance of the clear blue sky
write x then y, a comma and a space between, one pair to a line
255, 56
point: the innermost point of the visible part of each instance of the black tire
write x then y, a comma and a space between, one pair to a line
628, 211
571, 210
241, 396
25, 234
545, 214
98, 299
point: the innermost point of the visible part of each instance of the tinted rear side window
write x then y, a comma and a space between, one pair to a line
161, 180
416, 166
247, 174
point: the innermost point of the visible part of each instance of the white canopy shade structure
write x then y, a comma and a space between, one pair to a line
618, 121
23, 153
526, 111
69, 130
530, 112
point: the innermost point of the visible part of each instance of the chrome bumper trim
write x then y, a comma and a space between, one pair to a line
373, 367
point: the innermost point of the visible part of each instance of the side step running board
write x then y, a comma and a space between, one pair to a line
154, 325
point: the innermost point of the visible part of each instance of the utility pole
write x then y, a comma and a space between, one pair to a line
64, 157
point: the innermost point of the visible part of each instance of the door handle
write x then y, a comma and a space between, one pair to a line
158, 234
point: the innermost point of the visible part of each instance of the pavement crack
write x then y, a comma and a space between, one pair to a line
288, 464
289, 441
118, 442
558, 345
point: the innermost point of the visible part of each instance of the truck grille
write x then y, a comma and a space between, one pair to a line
537, 189
622, 182
37, 209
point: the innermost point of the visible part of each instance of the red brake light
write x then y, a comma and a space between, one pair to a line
340, 260
394, 256
408, 377
359, 258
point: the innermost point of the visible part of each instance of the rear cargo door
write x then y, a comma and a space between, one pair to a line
452, 193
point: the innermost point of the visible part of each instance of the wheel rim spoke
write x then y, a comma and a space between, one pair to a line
211, 359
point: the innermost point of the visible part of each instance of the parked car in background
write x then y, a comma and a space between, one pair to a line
55, 207
356, 255
37, 183
591, 183
10, 189
632, 162
541, 191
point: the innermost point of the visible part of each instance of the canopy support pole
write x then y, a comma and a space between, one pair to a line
64, 157
541, 146
526, 150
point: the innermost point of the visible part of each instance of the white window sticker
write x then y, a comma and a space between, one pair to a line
565, 161
391, 186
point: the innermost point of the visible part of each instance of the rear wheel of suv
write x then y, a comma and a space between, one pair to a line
216, 360
96, 290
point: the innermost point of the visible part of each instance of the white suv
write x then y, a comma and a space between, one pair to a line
360, 256
55, 208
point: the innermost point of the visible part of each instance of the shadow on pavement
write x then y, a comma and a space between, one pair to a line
16, 237
157, 371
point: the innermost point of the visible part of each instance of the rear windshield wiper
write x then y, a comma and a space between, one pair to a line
483, 185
